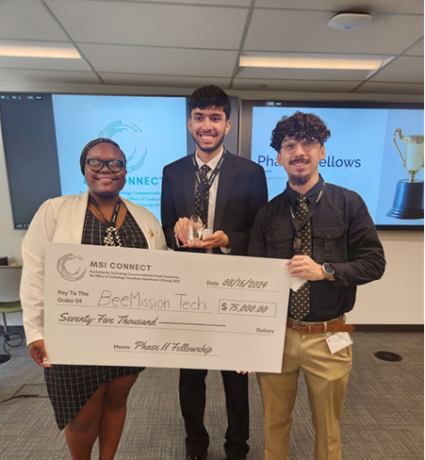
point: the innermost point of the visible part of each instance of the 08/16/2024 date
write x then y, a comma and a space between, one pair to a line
244, 284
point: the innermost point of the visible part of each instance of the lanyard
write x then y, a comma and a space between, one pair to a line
205, 187
296, 222
112, 237
112, 222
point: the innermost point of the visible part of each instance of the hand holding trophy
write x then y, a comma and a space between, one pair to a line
409, 196
196, 230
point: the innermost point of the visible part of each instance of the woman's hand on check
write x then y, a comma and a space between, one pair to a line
38, 353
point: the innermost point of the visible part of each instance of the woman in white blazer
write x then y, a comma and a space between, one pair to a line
89, 401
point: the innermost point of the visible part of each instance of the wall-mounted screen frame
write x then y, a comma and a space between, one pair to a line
44, 134
361, 152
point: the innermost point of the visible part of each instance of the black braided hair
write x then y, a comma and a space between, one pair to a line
91, 144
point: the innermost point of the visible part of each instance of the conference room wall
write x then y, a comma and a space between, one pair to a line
396, 299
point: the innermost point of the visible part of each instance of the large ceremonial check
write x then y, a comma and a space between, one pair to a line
132, 307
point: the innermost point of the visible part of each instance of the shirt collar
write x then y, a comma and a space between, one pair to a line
311, 195
212, 163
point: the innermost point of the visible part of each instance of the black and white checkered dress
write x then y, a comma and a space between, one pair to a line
69, 386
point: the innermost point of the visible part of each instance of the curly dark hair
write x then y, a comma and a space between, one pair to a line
210, 96
91, 144
300, 126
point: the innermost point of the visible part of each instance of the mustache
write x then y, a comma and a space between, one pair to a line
299, 159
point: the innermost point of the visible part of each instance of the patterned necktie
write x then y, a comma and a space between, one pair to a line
202, 195
299, 303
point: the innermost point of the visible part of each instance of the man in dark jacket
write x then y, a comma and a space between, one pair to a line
226, 192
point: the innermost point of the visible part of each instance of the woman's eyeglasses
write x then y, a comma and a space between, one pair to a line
97, 165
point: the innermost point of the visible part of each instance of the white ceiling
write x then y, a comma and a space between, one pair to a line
188, 43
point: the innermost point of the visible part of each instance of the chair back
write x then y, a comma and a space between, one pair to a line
10, 280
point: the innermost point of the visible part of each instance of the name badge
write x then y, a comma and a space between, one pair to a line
338, 341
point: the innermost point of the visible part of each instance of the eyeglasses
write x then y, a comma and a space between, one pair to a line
291, 144
97, 165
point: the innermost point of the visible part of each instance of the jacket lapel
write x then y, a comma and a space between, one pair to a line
225, 184
78, 217
188, 180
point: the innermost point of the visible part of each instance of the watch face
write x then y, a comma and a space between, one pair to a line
328, 269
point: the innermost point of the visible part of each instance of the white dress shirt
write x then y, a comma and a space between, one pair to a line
214, 186
213, 192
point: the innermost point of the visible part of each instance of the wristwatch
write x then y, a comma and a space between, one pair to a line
328, 271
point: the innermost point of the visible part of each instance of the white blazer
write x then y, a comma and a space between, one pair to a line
61, 220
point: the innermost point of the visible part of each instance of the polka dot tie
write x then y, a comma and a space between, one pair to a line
202, 198
299, 303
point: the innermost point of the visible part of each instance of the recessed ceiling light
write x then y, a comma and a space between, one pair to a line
312, 61
38, 51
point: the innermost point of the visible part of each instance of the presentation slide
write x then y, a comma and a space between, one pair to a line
360, 154
44, 134
151, 131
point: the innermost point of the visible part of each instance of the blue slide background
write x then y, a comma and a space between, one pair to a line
150, 130
360, 154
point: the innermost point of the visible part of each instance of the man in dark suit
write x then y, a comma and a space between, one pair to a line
226, 191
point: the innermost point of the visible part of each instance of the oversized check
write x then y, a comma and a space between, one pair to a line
132, 307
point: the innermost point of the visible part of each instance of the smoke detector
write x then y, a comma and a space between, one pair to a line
350, 21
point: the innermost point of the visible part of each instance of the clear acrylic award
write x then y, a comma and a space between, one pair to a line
196, 230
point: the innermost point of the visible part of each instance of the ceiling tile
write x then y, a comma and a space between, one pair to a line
417, 50
402, 70
152, 24
303, 74
381, 6
27, 20
391, 88
162, 80
306, 31
160, 61
295, 85
51, 76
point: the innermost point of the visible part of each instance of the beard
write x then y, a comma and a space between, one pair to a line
211, 149
299, 180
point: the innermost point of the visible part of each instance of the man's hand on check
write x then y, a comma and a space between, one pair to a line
245, 372
305, 267
217, 240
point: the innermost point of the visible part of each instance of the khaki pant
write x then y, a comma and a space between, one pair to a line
326, 376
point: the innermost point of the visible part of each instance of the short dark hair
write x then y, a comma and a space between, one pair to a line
91, 144
210, 96
300, 126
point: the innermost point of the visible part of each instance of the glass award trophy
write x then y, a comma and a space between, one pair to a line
196, 230
409, 195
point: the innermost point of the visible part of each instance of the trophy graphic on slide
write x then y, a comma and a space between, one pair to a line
409, 195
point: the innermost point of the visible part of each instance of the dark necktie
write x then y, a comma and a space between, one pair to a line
202, 195
299, 303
